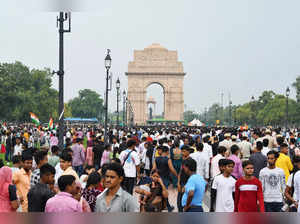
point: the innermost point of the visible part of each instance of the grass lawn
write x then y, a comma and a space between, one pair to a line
2, 156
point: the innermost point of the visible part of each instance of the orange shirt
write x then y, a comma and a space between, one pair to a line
22, 181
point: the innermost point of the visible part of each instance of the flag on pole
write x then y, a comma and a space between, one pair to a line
50, 124
34, 119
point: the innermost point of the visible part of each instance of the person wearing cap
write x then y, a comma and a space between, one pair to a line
271, 139
234, 139
245, 147
227, 143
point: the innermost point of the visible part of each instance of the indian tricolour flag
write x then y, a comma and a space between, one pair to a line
50, 124
34, 119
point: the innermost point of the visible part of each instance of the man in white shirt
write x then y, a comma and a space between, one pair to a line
265, 149
245, 147
130, 161
18, 147
215, 170
227, 143
223, 188
206, 147
202, 161
273, 184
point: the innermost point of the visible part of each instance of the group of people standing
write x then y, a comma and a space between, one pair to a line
236, 170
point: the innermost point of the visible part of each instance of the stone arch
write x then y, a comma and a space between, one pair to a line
163, 86
156, 65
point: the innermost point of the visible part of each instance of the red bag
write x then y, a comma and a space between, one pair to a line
3, 149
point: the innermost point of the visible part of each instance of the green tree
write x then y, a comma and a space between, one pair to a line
88, 104
190, 115
296, 85
23, 90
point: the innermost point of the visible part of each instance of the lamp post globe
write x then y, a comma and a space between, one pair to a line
107, 60
287, 91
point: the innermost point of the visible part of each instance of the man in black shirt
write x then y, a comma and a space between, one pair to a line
98, 151
41, 192
183, 177
9, 146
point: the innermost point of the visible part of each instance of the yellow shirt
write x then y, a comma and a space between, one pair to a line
284, 162
72, 172
26, 136
22, 181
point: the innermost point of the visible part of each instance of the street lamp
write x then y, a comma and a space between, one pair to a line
60, 23
107, 63
287, 93
124, 109
230, 113
118, 96
253, 112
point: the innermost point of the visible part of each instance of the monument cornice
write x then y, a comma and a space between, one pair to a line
155, 73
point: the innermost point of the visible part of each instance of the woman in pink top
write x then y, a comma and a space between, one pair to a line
89, 159
8, 196
105, 156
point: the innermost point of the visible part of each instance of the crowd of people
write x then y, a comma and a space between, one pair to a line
139, 169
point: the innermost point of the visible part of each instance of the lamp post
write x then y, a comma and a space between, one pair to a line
60, 23
107, 62
230, 113
118, 98
287, 94
124, 109
205, 116
253, 112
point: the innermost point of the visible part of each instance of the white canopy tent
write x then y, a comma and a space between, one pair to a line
196, 122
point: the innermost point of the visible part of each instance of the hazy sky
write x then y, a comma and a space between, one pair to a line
242, 47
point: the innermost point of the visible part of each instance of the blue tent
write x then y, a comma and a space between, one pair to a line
78, 119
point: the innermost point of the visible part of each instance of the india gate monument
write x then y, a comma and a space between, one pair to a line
156, 65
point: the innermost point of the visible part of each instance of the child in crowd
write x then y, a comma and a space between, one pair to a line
248, 191
223, 188
84, 177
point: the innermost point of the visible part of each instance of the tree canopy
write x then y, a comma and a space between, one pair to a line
88, 104
24, 90
268, 109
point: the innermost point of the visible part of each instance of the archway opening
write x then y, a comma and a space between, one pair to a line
155, 100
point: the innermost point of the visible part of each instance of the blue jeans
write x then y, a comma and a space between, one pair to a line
273, 206
8, 154
79, 170
179, 203
195, 209
166, 183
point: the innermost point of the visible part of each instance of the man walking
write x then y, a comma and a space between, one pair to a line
114, 198
64, 201
273, 183
78, 157
130, 160
258, 160
194, 188
284, 162
41, 192
41, 158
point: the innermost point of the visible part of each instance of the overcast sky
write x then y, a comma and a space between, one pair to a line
239, 47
